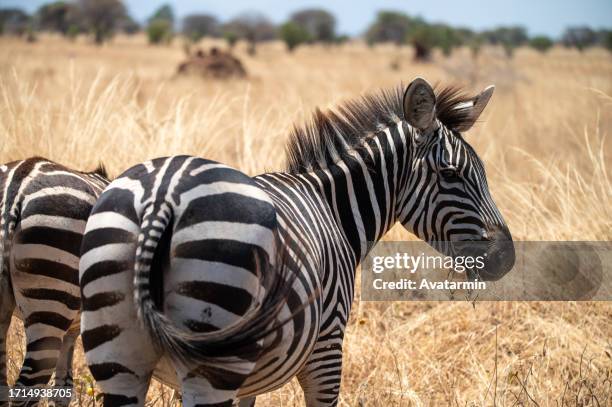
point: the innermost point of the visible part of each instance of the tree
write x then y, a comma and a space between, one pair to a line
318, 23
13, 21
159, 31
293, 35
445, 37
423, 40
541, 43
475, 45
161, 25
129, 25
579, 37
607, 40
252, 27
58, 16
197, 26
165, 13
231, 38
102, 17
390, 26
508, 37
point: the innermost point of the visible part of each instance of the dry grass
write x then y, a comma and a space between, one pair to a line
543, 140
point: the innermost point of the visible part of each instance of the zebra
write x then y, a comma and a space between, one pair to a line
169, 280
44, 207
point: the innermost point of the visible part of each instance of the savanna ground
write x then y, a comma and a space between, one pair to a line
542, 139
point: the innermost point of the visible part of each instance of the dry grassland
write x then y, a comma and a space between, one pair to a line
544, 139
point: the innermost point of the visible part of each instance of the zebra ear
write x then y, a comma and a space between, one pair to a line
474, 108
420, 104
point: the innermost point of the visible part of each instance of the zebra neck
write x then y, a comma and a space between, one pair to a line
363, 188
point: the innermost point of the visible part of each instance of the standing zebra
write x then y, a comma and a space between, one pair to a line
173, 243
44, 210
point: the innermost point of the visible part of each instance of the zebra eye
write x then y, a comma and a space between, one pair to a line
450, 174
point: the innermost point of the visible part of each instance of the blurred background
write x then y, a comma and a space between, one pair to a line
121, 82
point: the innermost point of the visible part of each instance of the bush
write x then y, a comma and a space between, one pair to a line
231, 37
541, 43
293, 35
73, 31
607, 41
159, 31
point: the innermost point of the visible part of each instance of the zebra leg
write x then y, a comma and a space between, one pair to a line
200, 391
42, 352
214, 386
248, 402
118, 351
44, 283
320, 377
63, 370
7, 306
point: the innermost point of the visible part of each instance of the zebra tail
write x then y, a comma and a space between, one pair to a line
243, 340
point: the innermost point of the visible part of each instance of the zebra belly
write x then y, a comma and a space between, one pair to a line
287, 350
258, 383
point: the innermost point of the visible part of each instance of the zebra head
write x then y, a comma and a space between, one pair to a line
446, 199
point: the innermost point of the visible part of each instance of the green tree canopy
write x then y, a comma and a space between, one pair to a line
251, 26
58, 16
579, 37
161, 25
390, 26
293, 35
13, 21
541, 43
102, 17
165, 13
197, 26
318, 23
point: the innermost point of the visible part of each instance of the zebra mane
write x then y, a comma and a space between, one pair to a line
331, 135
100, 170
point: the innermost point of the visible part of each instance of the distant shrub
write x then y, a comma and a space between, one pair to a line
541, 43
159, 31
73, 31
161, 25
31, 34
607, 41
231, 37
579, 37
293, 35
508, 37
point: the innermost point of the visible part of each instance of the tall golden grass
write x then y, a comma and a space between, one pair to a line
542, 138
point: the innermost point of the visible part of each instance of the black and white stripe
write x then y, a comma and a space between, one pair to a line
44, 208
173, 243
